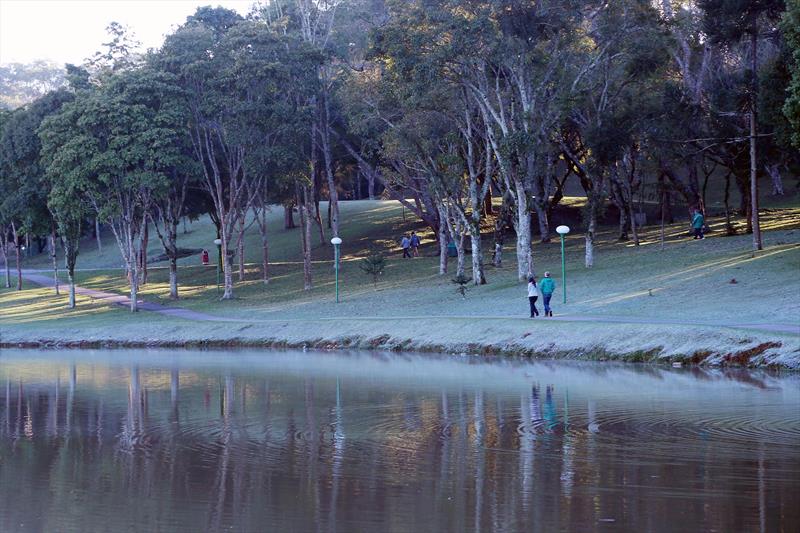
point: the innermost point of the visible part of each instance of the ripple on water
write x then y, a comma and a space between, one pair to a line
742, 427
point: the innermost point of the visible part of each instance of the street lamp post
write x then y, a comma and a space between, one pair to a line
562, 231
336, 242
218, 242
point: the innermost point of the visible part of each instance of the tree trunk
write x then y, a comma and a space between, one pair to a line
543, 220
97, 234
288, 217
227, 268
71, 276
663, 208
523, 227
227, 272
777, 181
743, 185
306, 219
478, 275
729, 229
172, 239
619, 199
240, 247
134, 278
70, 244
143, 251
4, 250
632, 214
757, 243
486, 207
318, 219
330, 221
265, 257
591, 230
333, 193
500, 223
623, 222
327, 157
173, 278
15, 233
668, 207
370, 184
54, 256
460, 265
442, 242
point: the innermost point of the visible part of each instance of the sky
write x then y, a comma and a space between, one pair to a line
69, 31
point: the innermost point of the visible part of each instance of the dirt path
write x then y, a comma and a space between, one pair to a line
187, 314
125, 301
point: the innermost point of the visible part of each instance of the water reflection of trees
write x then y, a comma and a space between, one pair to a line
323, 454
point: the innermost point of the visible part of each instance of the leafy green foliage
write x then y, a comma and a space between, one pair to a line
791, 29
23, 178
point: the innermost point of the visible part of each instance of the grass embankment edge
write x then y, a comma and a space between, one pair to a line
702, 346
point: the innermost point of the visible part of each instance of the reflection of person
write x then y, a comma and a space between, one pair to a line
536, 409
405, 243
548, 287
549, 408
533, 295
698, 221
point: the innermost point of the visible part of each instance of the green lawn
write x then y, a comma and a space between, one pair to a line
687, 281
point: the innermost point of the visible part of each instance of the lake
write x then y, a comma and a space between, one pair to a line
254, 440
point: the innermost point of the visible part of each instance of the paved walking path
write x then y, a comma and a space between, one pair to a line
187, 314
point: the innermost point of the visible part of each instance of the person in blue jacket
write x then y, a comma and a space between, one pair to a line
548, 287
698, 222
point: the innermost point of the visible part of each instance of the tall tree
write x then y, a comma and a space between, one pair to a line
25, 202
5, 222
730, 22
791, 29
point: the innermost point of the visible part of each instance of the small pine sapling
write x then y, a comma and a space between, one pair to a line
462, 281
374, 265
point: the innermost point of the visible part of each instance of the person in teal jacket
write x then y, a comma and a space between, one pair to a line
698, 222
548, 287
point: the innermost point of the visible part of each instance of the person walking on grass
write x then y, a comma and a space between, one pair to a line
415, 244
698, 222
405, 243
533, 295
548, 287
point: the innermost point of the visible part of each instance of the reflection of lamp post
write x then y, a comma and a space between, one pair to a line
218, 242
562, 231
336, 242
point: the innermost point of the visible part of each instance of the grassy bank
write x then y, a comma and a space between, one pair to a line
687, 294
502, 336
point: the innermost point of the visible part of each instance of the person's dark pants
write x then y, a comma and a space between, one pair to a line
547, 309
406, 253
532, 300
698, 233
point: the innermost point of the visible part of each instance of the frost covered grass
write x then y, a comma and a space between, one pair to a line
688, 291
520, 337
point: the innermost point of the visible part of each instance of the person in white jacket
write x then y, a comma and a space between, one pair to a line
533, 295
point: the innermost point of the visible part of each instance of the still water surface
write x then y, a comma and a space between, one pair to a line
292, 441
